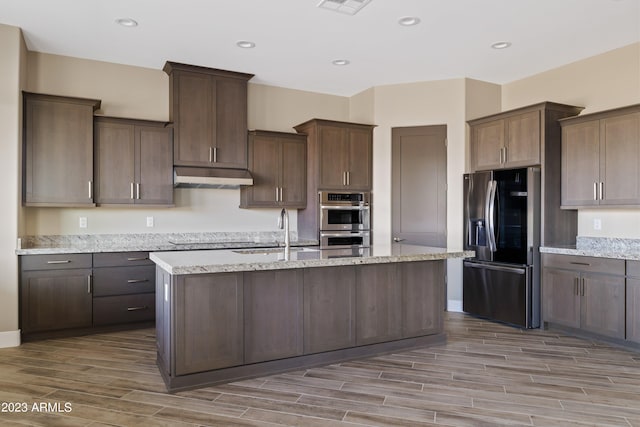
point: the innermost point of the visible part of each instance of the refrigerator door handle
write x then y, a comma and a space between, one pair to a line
516, 270
489, 211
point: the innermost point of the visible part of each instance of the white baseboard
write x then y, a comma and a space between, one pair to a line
454, 305
9, 339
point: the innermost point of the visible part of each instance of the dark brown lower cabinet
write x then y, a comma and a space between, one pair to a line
422, 298
585, 293
633, 302
272, 302
379, 307
219, 327
209, 322
329, 308
55, 299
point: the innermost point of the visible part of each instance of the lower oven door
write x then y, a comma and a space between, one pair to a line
344, 239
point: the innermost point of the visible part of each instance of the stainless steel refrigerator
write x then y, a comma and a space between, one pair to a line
502, 225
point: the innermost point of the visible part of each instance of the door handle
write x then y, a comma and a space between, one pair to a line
397, 239
131, 281
595, 191
582, 288
144, 307
137, 190
601, 190
132, 194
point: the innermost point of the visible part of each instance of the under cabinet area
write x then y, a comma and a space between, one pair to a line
601, 159
58, 150
584, 293
216, 327
134, 162
278, 164
208, 108
74, 294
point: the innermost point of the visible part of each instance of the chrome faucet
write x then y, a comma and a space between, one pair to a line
283, 223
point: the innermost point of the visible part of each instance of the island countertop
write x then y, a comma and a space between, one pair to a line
215, 261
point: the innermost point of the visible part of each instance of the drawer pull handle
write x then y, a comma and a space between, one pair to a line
65, 261
144, 307
580, 263
138, 259
137, 280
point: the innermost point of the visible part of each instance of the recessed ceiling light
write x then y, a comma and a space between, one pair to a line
340, 62
409, 21
501, 45
127, 22
245, 44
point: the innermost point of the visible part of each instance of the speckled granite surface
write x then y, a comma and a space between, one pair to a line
195, 262
88, 243
604, 247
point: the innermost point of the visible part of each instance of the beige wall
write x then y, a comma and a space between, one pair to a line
11, 59
599, 83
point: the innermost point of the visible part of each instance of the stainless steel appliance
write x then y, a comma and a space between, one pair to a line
344, 219
502, 225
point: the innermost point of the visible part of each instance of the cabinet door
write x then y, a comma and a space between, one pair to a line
333, 152
603, 305
620, 160
560, 297
294, 173
487, 141
57, 299
360, 157
193, 117
265, 166
379, 308
154, 165
523, 140
58, 152
633, 310
580, 164
163, 318
115, 160
230, 123
272, 315
203, 303
329, 308
422, 297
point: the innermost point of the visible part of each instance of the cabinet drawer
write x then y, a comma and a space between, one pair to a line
633, 268
55, 262
123, 280
123, 309
583, 263
118, 259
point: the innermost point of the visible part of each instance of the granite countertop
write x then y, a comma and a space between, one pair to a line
98, 243
601, 247
276, 259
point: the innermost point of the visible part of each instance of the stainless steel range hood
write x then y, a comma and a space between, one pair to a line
194, 177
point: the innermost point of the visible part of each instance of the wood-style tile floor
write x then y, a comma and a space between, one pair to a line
487, 374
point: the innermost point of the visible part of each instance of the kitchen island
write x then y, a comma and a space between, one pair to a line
234, 314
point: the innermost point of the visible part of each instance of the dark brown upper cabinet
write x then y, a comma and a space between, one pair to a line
278, 164
342, 154
57, 150
133, 162
601, 159
208, 108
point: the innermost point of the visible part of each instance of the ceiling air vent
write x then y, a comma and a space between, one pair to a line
349, 7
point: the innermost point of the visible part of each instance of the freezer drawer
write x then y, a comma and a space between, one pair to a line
500, 292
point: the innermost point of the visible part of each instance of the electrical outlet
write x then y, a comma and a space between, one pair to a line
83, 222
597, 224
149, 221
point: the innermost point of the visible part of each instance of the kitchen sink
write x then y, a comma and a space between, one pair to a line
267, 251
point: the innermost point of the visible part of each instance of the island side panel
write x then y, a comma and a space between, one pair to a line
329, 308
163, 319
209, 322
423, 297
273, 315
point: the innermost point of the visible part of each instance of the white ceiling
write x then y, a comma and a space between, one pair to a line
296, 41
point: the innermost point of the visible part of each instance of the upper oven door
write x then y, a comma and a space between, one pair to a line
344, 218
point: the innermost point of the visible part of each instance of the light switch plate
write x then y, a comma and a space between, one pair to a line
149, 221
83, 222
597, 224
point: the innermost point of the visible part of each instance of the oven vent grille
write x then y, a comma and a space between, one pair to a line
349, 7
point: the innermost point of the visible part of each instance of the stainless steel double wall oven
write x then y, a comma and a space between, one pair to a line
345, 219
